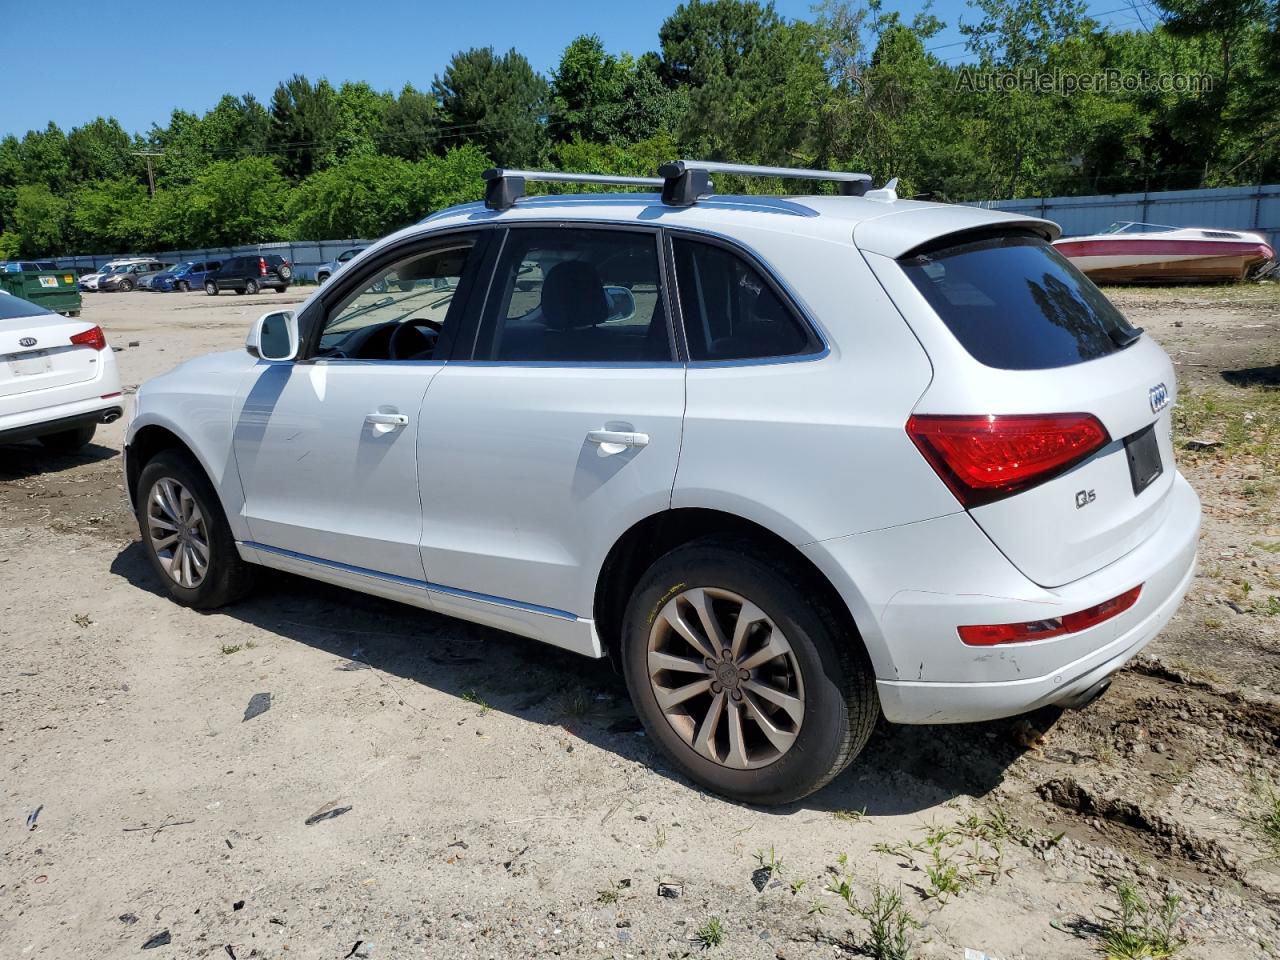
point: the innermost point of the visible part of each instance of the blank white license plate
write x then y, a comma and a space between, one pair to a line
27, 364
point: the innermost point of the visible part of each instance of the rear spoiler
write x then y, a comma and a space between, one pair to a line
904, 232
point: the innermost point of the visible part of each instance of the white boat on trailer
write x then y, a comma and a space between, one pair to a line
1131, 252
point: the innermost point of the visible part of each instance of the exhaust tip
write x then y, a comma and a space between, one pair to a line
111, 416
1083, 699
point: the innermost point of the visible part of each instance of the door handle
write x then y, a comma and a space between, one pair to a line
618, 438
387, 419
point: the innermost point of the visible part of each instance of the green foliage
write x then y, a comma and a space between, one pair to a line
497, 102
40, 217
710, 934
10, 245
890, 925
238, 201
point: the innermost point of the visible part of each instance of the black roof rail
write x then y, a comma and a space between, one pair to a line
504, 187
687, 180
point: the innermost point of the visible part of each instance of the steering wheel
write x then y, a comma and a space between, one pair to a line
413, 338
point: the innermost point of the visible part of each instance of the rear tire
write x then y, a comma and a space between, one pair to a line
171, 483
211, 288
822, 676
321, 278
251, 287
183, 286
69, 441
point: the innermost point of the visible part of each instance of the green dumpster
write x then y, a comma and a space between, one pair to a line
56, 290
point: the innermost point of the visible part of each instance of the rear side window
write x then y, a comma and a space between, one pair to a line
730, 312
1016, 304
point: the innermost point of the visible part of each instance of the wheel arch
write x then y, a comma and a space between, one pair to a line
650, 538
151, 437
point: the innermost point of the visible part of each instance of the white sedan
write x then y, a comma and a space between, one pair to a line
58, 379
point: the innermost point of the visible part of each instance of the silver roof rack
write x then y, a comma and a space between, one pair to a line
686, 180
682, 182
504, 187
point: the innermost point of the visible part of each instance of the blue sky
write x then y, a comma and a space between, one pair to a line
139, 66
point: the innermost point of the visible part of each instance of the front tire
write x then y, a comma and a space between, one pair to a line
126, 286
69, 441
186, 535
743, 674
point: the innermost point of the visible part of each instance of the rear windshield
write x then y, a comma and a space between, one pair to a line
11, 306
1016, 304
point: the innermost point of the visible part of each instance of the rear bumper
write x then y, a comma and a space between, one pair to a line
95, 412
1066, 669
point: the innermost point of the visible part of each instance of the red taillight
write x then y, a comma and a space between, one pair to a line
990, 635
989, 457
93, 337
262, 266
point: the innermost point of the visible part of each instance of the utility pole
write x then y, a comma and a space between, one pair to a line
151, 177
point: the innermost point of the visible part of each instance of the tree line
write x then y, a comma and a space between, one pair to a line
853, 87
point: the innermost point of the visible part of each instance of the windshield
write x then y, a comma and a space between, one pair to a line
1015, 303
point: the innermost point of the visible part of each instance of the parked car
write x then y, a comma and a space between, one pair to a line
795, 462
126, 278
25, 266
327, 270
58, 377
89, 282
249, 274
185, 276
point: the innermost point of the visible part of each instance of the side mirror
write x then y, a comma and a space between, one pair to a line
622, 303
274, 337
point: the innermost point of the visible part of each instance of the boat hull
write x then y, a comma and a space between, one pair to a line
1116, 260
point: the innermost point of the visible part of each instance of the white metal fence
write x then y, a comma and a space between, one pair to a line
1254, 208
305, 255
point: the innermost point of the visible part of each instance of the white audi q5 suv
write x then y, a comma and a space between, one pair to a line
793, 461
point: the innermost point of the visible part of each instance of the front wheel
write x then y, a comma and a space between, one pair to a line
186, 534
126, 286
743, 674
211, 288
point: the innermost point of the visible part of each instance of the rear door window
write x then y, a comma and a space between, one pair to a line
1015, 303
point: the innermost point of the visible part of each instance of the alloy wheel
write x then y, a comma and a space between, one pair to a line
178, 533
725, 678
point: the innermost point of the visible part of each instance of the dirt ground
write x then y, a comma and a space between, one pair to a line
490, 797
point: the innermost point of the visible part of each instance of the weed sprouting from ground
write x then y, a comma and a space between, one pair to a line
953, 859
851, 816
1138, 930
1265, 816
230, 648
710, 934
473, 696
890, 926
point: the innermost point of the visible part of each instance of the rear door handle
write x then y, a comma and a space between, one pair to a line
618, 438
387, 419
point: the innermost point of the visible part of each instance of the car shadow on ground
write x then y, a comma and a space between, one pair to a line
903, 770
1253, 376
21, 460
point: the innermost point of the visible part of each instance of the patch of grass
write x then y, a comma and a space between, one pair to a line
1272, 547
230, 648
891, 927
1137, 930
795, 886
1265, 815
770, 861
1243, 421
473, 696
851, 816
659, 837
710, 934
